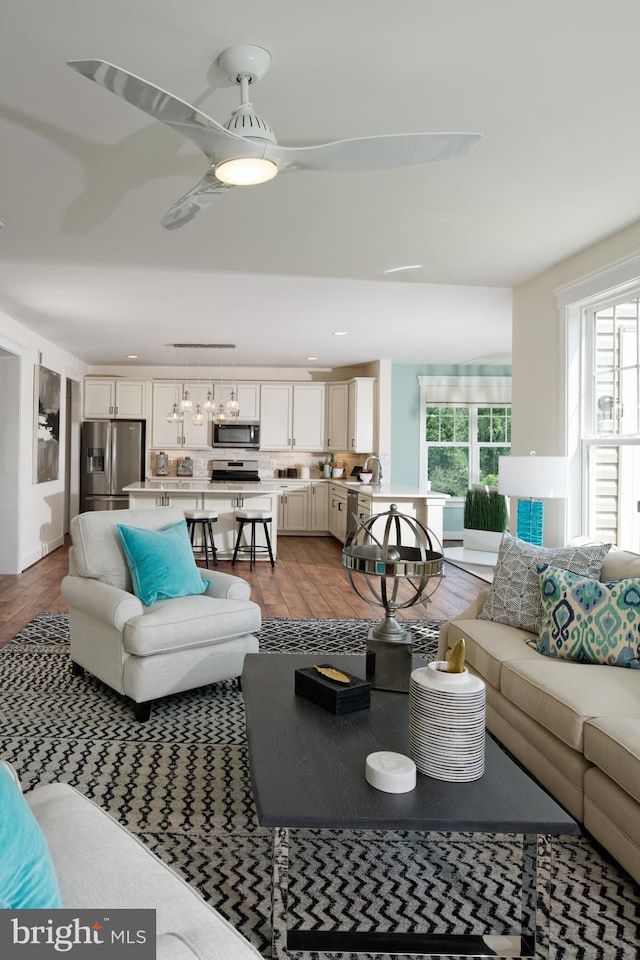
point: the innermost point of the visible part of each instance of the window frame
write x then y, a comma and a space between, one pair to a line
472, 392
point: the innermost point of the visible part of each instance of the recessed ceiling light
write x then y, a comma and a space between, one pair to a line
132, 356
407, 266
341, 333
312, 358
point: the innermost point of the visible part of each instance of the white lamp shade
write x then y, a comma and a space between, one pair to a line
537, 477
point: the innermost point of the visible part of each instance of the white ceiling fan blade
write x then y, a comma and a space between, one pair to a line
206, 133
374, 153
198, 198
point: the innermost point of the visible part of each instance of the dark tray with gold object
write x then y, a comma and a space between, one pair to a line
334, 695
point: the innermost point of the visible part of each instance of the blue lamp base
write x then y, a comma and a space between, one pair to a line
530, 517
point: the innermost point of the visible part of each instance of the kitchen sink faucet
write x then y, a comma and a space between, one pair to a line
366, 465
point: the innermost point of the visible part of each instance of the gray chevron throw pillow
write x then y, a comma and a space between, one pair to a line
514, 597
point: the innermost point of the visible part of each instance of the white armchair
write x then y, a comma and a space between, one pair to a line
146, 652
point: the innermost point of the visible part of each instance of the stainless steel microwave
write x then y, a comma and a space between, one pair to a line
235, 434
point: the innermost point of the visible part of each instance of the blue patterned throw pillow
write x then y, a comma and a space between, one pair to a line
589, 621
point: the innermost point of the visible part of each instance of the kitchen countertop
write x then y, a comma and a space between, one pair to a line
375, 491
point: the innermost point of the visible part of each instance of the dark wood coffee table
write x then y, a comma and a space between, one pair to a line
307, 770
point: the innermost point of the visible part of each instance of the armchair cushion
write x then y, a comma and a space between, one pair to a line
184, 622
161, 562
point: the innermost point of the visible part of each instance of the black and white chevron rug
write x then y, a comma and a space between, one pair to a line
180, 782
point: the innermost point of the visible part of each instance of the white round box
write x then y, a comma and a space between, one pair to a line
390, 772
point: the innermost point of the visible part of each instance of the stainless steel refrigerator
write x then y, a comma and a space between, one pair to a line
112, 453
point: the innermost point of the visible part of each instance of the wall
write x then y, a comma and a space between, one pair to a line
41, 514
405, 411
539, 364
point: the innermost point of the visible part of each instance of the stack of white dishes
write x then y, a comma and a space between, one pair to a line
447, 722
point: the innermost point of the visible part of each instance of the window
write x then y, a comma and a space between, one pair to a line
611, 432
466, 427
464, 443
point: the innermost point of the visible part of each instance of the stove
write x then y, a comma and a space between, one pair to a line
234, 470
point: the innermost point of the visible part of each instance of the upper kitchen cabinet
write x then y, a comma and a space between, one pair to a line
361, 416
337, 416
247, 395
179, 435
106, 398
292, 416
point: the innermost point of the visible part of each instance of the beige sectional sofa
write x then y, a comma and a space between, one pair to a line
574, 726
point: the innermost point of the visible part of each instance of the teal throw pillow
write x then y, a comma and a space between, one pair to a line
27, 877
589, 621
161, 562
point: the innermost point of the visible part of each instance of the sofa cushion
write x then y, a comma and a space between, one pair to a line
589, 621
185, 622
562, 695
27, 876
613, 744
514, 597
161, 562
99, 862
488, 645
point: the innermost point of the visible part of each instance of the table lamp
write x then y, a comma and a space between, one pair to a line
532, 479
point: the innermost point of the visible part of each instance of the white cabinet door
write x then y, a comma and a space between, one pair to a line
99, 399
361, 415
293, 509
131, 399
338, 513
337, 416
308, 416
276, 409
163, 434
318, 500
196, 437
248, 396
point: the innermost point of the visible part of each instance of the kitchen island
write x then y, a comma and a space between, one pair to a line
224, 498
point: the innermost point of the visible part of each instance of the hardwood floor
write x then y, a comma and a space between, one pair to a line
308, 581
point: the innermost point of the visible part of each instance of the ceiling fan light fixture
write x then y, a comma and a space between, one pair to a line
245, 171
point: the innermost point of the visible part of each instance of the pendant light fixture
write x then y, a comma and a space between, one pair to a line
198, 417
175, 415
233, 407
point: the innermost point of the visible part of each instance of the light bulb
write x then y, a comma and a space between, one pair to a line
186, 403
232, 404
198, 417
209, 404
221, 415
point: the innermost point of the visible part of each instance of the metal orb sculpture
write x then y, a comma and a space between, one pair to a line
378, 565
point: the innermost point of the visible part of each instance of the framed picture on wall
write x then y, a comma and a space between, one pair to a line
46, 454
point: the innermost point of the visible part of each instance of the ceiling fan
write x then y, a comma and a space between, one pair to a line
245, 151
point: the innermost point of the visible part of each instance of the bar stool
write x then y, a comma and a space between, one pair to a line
206, 518
252, 518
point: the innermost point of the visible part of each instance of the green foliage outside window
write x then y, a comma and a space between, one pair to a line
464, 443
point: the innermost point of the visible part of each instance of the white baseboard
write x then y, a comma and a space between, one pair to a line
45, 549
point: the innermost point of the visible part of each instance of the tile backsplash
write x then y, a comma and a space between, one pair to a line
202, 461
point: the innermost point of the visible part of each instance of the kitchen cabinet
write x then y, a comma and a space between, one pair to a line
247, 395
106, 398
292, 416
318, 507
361, 415
337, 416
293, 507
178, 435
337, 511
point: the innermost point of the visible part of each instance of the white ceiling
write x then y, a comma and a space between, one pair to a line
552, 84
